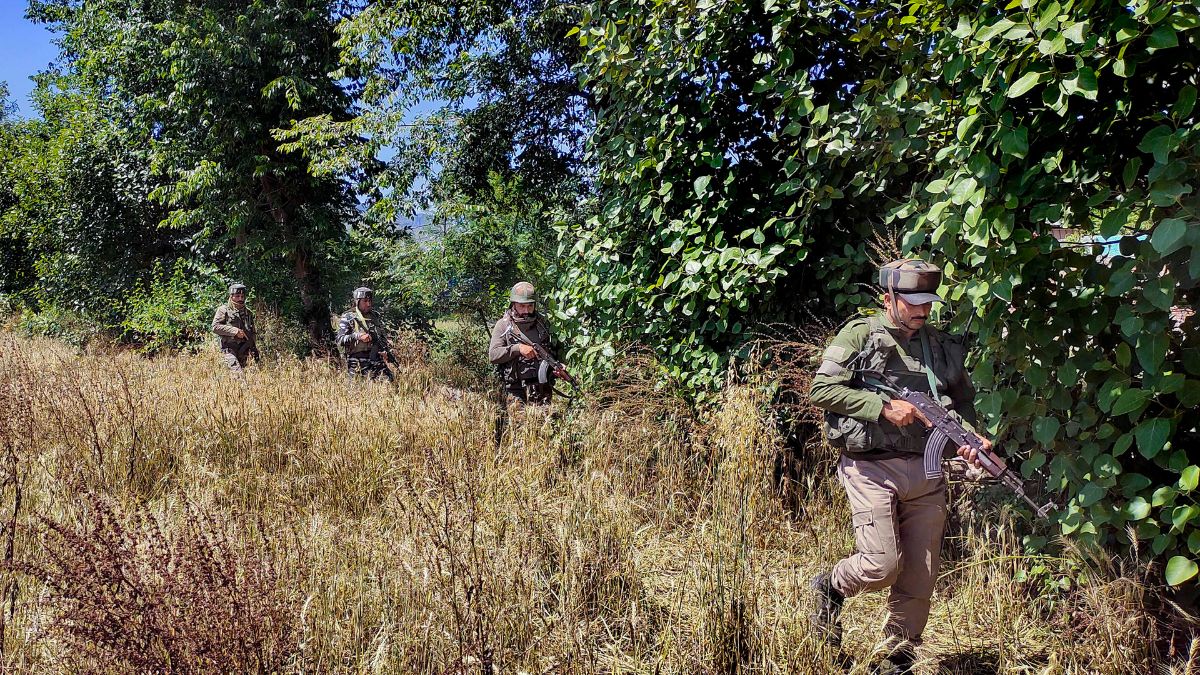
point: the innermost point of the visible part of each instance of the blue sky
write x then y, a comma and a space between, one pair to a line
24, 50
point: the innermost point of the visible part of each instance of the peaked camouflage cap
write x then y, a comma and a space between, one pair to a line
363, 292
916, 281
237, 286
523, 292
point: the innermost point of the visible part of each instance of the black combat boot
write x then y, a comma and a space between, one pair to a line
827, 619
899, 662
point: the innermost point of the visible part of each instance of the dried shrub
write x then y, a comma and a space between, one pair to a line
124, 594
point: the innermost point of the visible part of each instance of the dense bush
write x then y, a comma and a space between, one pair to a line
748, 151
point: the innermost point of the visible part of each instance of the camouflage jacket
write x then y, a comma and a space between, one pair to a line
349, 327
226, 323
853, 419
505, 353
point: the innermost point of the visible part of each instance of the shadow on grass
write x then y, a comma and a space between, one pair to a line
971, 662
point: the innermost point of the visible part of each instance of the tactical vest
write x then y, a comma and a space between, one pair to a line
905, 366
363, 350
518, 371
241, 319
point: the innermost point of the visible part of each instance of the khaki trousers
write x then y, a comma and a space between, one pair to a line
898, 516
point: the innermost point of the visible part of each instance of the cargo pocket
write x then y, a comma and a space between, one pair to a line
868, 538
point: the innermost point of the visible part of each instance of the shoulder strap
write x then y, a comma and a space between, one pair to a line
927, 357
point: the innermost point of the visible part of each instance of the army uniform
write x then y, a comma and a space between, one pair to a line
226, 323
897, 512
363, 359
529, 380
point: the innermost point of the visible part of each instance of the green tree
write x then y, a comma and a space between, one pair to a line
452, 93
1051, 115
201, 86
75, 210
738, 170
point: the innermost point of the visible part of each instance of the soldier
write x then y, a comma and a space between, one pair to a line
234, 323
361, 335
898, 513
525, 376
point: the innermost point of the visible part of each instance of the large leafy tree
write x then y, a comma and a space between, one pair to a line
736, 142
75, 215
450, 95
201, 86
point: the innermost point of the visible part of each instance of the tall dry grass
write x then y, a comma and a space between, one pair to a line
158, 515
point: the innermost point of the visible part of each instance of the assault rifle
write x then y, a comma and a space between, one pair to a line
544, 355
946, 428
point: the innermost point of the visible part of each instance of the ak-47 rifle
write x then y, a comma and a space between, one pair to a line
544, 355
944, 427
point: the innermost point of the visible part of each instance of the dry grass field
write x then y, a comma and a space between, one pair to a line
160, 516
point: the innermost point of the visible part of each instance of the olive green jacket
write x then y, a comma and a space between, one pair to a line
226, 323
853, 417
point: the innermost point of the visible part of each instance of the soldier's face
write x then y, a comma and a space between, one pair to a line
523, 308
238, 298
914, 316
366, 304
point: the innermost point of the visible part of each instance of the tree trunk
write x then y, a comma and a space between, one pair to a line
313, 312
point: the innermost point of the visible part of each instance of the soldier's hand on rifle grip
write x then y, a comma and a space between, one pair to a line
971, 455
527, 352
364, 337
902, 413
241, 334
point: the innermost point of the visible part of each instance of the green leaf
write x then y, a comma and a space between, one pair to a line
1113, 222
1190, 478
1076, 31
1168, 236
1082, 82
1137, 509
1163, 496
1152, 435
1182, 515
1163, 37
1133, 483
1185, 104
1045, 429
700, 186
1003, 290
1180, 569
1024, 83
965, 125
1090, 494
1151, 350
1016, 142
1132, 400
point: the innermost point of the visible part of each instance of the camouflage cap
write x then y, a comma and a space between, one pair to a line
523, 292
916, 281
235, 287
363, 292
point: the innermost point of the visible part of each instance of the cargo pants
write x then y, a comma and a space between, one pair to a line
898, 517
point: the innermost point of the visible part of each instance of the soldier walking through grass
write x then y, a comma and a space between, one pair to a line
512, 349
233, 322
897, 511
362, 337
